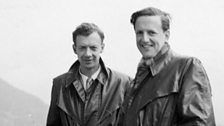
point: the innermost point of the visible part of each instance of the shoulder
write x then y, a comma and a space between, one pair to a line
61, 76
118, 75
184, 63
189, 63
185, 59
118, 80
60, 80
189, 60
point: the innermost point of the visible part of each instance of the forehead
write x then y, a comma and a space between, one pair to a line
144, 22
92, 39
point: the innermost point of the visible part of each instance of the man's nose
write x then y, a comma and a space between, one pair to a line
145, 37
88, 52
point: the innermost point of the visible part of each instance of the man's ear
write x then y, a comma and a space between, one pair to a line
167, 35
102, 47
74, 48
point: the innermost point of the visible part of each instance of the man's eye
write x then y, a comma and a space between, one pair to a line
81, 48
94, 48
139, 32
151, 33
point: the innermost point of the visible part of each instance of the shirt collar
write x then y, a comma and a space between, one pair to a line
84, 77
94, 76
73, 73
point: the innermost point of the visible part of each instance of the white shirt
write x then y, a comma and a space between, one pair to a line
84, 77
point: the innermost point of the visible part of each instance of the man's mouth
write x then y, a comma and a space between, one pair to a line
146, 45
88, 60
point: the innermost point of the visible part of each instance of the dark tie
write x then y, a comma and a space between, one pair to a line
89, 81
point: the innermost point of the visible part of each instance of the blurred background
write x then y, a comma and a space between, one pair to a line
36, 46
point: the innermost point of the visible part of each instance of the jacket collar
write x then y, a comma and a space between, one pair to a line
159, 61
73, 73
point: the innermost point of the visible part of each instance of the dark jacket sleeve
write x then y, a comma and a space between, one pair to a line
194, 102
53, 118
121, 112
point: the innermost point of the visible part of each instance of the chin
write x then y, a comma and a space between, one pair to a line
148, 55
89, 66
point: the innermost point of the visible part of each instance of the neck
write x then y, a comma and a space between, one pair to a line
89, 71
148, 61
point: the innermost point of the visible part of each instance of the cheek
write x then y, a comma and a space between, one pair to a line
138, 44
138, 41
138, 38
80, 53
96, 54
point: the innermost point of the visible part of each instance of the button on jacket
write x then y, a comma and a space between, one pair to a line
173, 91
71, 105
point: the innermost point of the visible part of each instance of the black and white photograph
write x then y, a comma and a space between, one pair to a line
111, 62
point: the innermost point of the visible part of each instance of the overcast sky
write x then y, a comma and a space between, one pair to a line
36, 38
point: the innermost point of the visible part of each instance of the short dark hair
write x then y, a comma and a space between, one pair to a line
86, 29
151, 11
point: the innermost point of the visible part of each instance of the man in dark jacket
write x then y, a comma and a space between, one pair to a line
89, 94
168, 89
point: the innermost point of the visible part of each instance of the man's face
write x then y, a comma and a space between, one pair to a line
88, 50
150, 36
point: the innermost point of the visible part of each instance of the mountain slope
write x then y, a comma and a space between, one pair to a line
19, 108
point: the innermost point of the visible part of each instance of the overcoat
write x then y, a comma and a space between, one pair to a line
173, 91
98, 106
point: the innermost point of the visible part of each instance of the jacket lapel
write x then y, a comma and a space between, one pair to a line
155, 86
79, 89
69, 84
64, 101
